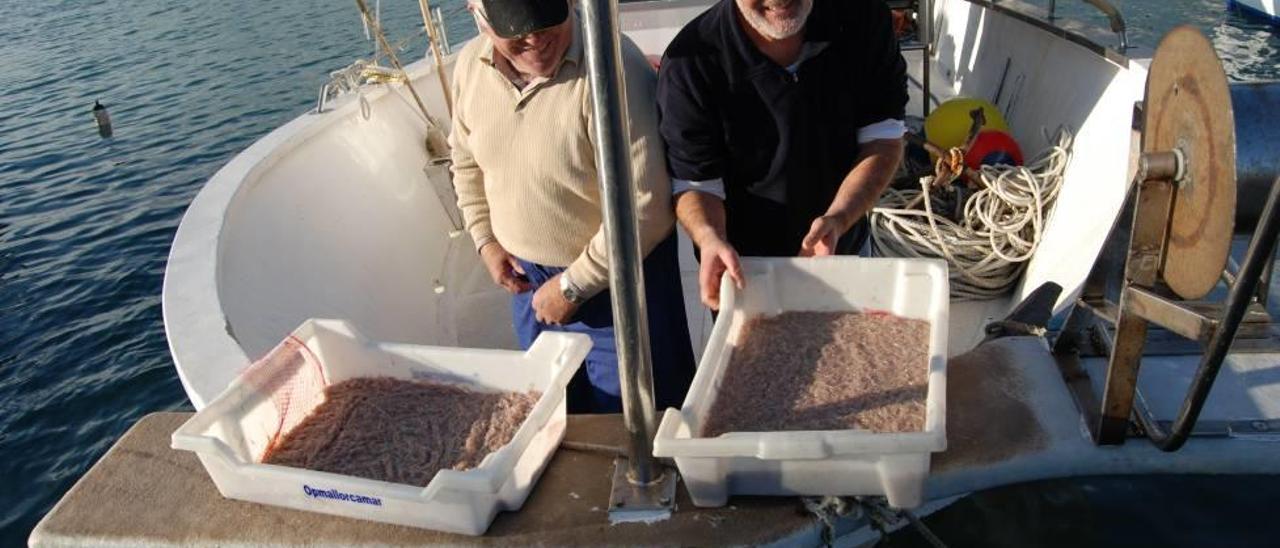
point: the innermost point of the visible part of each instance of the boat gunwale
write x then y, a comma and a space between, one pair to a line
191, 290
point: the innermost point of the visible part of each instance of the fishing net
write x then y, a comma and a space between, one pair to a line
295, 380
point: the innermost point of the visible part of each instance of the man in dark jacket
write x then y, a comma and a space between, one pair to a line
783, 124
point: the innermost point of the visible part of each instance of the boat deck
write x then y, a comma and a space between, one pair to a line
1010, 420
144, 493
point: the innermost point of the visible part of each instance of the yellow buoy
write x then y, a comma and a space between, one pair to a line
949, 124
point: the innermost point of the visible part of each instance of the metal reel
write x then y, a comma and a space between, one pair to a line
1183, 212
1188, 112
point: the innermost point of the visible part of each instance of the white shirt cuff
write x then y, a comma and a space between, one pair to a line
884, 129
714, 187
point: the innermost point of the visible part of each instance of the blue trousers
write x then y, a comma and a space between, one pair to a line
595, 389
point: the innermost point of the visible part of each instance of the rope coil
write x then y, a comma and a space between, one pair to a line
998, 228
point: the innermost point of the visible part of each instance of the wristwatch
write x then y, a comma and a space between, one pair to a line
570, 290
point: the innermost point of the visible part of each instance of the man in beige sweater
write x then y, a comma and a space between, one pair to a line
524, 169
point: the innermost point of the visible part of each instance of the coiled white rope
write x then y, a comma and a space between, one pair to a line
997, 232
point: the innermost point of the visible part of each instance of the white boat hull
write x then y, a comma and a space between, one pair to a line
338, 215
1263, 9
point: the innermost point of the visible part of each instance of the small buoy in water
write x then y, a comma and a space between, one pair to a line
103, 119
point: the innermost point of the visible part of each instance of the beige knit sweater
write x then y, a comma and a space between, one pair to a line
524, 161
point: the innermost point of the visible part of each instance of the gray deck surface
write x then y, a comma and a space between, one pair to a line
1010, 420
142, 493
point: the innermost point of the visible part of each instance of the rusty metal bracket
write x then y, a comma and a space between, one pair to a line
1169, 314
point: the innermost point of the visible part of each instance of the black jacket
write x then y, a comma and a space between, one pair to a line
727, 111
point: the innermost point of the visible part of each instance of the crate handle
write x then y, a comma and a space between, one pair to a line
790, 446
565, 350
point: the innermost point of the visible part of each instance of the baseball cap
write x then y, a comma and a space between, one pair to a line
513, 18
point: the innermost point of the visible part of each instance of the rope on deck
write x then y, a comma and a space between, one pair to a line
997, 230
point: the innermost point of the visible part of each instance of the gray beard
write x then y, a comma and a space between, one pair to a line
778, 32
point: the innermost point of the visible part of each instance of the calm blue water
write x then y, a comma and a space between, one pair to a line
86, 223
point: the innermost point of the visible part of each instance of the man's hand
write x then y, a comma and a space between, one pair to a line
822, 236
872, 172
549, 304
503, 268
702, 215
717, 258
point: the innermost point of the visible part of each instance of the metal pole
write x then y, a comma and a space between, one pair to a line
613, 161
1115, 18
924, 28
1263, 293
1152, 205
1238, 299
434, 38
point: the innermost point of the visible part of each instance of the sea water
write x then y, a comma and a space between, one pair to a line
86, 222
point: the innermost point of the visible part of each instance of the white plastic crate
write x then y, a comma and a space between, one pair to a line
232, 433
820, 462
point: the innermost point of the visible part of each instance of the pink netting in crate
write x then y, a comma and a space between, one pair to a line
292, 375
